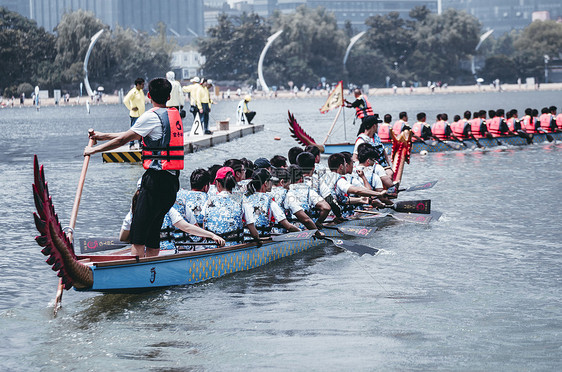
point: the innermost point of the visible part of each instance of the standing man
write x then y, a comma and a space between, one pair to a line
192, 90
161, 131
204, 105
362, 106
134, 101
176, 96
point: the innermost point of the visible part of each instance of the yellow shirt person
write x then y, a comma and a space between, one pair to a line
134, 100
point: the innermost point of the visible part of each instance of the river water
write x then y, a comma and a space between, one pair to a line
480, 289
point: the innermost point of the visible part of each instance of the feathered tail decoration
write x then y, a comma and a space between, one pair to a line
300, 135
58, 247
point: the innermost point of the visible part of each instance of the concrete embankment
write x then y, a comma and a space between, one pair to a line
109, 99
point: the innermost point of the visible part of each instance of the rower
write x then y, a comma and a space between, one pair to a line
529, 125
554, 123
194, 199
558, 120
237, 165
341, 188
461, 127
266, 210
293, 153
278, 161
546, 122
512, 120
401, 124
441, 130
497, 126
301, 200
421, 130
377, 178
307, 163
225, 213
368, 134
384, 129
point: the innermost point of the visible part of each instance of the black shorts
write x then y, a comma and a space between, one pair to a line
157, 195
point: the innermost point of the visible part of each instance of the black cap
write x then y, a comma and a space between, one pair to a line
262, 163
371, 120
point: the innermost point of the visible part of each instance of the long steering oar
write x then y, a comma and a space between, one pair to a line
73, 216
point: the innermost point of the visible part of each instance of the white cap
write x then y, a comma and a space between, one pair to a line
194, 80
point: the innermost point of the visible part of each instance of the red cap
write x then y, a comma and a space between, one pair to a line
222, 172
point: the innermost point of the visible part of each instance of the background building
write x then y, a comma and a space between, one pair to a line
183, 18
505, 15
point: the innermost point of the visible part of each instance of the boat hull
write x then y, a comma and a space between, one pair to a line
129, 274
442, 146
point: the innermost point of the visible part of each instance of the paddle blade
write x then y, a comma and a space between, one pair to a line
413, 206
358, 231
454, 145
422, 186
298, 235
93, 245
360, 249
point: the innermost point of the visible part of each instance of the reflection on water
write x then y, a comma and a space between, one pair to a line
477, 290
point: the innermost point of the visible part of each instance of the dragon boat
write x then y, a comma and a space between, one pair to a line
303, 138
121, 273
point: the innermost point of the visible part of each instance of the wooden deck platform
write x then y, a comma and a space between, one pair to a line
191, 143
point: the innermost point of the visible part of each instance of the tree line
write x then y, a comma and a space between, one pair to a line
32, 56
424, 47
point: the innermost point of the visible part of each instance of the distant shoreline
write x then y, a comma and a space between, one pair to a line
109, 99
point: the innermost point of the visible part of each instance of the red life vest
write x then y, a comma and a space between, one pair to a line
494, 126
511, 124
475, 126
397, 127
165, 153
439, 130
417, 130
384, 132
559, 121
529, 124
545, 122
365, 109
458, 128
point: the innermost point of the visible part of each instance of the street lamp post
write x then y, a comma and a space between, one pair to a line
546, 59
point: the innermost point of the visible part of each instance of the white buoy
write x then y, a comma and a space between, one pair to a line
423, 152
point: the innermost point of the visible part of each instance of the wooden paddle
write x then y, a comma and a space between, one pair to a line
92, 245
73, 216
421, 186
476, 140
360, 249
297, 235
525, 135
357, 231
413, 206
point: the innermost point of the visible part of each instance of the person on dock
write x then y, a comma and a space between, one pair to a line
361, 105
177, 100
226, 214
243, 113
134, 101
192, 91
158, 128
204, 105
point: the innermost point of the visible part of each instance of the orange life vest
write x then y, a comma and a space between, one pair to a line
439, 130
458, 128
511, 124
529, 124
365, 109
545, 122
398, 127
475, 127
165, 153
417, 130
384, 132
494, 126
559, 121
